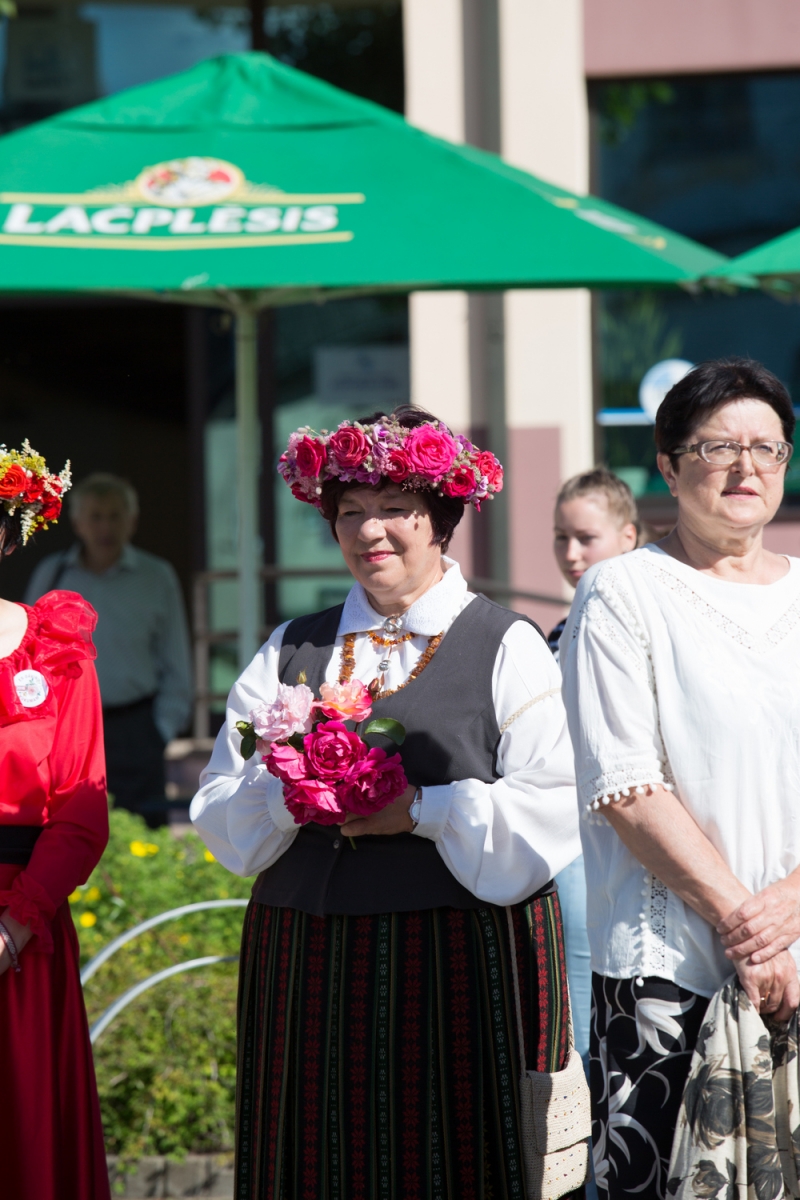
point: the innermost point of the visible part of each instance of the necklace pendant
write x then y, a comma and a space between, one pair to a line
383, 665
393, 624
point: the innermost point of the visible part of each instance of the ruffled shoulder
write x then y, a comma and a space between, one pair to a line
60, 627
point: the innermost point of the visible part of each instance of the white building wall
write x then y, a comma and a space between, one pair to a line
545, 130
548, 369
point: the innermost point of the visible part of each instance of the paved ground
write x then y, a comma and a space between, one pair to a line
197, 1175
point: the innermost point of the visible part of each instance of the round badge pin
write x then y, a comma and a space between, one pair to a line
31, 688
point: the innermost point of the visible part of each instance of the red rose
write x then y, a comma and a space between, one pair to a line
462, 484
488, 465
299, 494
311, 457
14, 482
332, 750
286, 764
430, 451
35, 489
398, 467
350, 447
373, 782
51, 508
313, 800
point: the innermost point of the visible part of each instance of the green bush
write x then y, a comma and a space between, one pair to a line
166, 1066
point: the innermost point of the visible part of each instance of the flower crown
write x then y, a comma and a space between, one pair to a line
427, 457
26, 483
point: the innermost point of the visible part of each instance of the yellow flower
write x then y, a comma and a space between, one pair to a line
209, 857
184, 939
143, 849
93, 894
75, 896
87, 920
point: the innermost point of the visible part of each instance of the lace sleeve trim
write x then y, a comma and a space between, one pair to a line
613, 785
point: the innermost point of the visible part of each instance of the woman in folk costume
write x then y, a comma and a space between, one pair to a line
378, 1048
53, 830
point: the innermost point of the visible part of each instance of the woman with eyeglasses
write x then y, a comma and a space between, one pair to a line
681, 666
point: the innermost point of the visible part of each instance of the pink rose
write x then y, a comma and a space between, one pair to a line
350, 446
313, 800
346, 701
373, 782
311, 456
332, 750
488, 465
430, 451
290, 712
287, 764
461, 484
398, 466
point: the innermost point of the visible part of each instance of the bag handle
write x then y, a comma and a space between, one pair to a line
518, 1001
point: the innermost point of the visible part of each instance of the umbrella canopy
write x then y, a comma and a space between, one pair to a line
245, 174
245, 183
779, 258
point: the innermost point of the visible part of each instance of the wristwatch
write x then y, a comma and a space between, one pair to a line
415, 808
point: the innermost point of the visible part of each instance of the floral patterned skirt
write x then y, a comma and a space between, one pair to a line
378, 1054
643, 1035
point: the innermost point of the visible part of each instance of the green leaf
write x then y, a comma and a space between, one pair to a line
248, 747
296, 740
244, 726
389, 728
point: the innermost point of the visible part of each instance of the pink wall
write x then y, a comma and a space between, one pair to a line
534, 457
662, 37
783, 537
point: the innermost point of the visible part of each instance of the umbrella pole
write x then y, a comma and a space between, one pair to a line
248, 443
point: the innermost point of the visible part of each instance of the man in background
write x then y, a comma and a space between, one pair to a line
142, 638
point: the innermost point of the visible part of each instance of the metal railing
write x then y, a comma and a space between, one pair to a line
205, 637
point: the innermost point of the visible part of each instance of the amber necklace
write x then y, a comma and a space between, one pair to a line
392, 625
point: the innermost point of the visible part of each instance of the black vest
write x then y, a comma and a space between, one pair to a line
451, 734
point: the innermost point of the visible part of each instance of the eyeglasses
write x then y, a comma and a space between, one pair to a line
725, 454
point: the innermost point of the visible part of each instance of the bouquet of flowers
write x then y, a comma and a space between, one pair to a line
327, 769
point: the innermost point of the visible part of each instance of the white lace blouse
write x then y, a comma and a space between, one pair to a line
501, 840
674, 677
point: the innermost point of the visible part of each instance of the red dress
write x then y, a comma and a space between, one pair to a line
52, 774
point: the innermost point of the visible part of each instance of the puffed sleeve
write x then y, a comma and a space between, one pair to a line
75, 832
505, 840
239, 810
609, 692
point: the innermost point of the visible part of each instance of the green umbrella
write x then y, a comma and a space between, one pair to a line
245, 183
774, 262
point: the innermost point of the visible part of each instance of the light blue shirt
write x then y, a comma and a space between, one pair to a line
142, 637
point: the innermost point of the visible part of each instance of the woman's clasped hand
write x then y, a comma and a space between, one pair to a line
765, 923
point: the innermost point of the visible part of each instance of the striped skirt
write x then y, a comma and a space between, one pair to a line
378, 1054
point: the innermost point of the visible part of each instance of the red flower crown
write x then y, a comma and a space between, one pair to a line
26, 484
427, 457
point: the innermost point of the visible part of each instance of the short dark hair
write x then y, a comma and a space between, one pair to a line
444, 511
10, 532
710, 385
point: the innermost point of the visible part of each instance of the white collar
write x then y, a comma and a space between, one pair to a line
431, 614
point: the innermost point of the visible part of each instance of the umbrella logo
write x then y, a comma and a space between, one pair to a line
189, 181
193, 203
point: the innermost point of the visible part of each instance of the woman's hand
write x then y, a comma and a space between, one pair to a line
765, 924
21, 935
773, 987
392, 819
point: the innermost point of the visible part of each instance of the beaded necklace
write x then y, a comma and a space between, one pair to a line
392, 625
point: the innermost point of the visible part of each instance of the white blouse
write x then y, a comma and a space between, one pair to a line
674, 677
501, 840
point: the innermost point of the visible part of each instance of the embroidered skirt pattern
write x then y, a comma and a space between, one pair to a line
378, 1056
643, 1034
